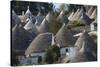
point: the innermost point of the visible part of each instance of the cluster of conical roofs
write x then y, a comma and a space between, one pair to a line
31, 33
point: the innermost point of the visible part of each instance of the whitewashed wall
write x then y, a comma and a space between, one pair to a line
92, 27
63, 50
71, 51
38, 54
29, 60
32, 59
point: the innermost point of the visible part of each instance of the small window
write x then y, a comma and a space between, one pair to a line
95, 24
67, 50
39, 59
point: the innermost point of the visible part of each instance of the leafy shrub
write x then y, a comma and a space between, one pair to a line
75, 24
52, 54
94, 37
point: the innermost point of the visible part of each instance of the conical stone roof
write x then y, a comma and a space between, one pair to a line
75, 15
15, 18
20, 38
49, 17
62, 18
28, 13
39, 14
94, 14
79, 14
39, 19
43, 27
85, 19
30, 27
86, 41
64, 37
87, 49
90, 11
70, 17
40, 43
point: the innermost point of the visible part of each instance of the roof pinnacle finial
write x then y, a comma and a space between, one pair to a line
28, 7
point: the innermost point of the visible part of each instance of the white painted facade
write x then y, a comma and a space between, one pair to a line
71, 51
63, 50
32, 59
29, 60
38, 54
93, 27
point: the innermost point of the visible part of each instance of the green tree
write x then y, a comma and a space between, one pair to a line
63, 7
52, 54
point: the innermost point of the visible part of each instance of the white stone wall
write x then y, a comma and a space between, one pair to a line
38, 54
71, 51
32, 59
29, 60
63, 50
92, 27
